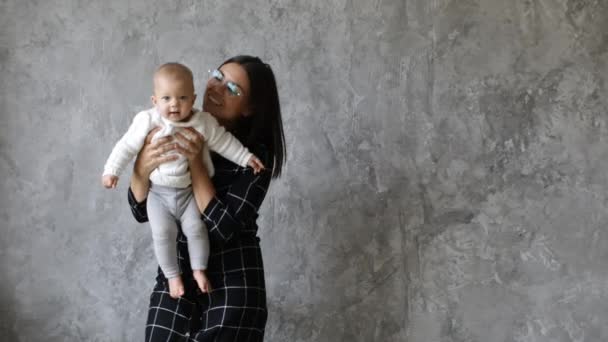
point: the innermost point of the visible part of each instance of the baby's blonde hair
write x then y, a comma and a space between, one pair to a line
176, 71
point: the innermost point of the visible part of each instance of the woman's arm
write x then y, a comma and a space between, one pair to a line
202, 187
226, 216
190, 146
138, 208
148, 159
140, 184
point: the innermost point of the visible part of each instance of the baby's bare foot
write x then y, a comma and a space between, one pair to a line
176, 287
201, 279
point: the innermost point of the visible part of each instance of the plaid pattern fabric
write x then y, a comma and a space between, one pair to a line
235, 309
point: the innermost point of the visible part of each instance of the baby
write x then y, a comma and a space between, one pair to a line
170, 197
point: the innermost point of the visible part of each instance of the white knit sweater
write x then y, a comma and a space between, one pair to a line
175, 173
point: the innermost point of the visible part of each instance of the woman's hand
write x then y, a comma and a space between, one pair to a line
152, 154
149, 158
191, 144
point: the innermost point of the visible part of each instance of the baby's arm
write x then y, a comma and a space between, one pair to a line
224, 143
126, 149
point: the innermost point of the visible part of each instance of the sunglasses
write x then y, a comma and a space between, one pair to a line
217, 76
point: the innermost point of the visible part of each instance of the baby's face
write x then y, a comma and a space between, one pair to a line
173, 98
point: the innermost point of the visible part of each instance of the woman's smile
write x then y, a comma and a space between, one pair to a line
214, 99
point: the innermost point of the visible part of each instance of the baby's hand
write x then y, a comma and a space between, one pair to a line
255, 164
109, 181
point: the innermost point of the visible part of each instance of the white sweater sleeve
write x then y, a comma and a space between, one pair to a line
129, 145
223, 142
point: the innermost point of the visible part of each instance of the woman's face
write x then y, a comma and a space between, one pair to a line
227, 93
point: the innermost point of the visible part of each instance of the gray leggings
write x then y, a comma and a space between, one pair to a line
166, 206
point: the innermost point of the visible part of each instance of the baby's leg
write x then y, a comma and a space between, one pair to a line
164, 234
198, 242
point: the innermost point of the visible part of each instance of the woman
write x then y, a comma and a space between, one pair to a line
243, 97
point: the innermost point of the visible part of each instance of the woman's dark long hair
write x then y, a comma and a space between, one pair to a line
264, 125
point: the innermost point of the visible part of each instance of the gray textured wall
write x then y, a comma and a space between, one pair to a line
446, 180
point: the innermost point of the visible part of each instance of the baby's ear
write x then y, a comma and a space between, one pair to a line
193, 99
153, 99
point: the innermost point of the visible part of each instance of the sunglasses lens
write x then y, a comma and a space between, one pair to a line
217, 75
233, 88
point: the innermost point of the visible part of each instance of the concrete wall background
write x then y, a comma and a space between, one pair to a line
446, 179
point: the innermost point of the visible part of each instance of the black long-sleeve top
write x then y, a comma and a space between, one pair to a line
231, 215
